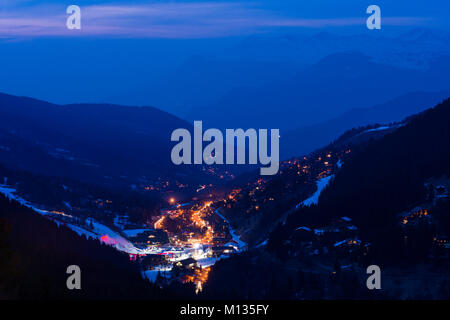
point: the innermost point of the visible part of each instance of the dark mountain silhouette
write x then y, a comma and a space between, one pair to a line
378, 181
202, 81
414, 48
35, 254
91, 142
336, 84
384, 179
204, 78
165, 78
306, 139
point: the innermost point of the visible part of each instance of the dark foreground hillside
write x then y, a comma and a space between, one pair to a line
387, 177
35, 252
388, 205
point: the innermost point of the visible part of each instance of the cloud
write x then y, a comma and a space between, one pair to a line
161, 20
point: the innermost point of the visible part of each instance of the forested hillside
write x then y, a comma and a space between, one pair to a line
388, 205
35, 253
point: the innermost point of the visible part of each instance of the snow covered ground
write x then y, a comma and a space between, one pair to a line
113, 238
240, 244
262, 244
314, 199
134, 232
100, 231
377, 129
153, 274
208, 262
10, 193
382, 128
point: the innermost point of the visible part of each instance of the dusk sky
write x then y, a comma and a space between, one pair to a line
125, 48
200, 19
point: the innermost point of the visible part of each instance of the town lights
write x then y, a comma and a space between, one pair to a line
197, 245
172, 200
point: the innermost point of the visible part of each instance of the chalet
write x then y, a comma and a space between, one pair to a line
348, 243
441, 192
338, 229
302, 235
442, 241
187, 264
416, 215
303, 229
150, 237
440, 188
220, 250
151, 260
220, 240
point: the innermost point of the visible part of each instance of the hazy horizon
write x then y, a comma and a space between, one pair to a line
133, 52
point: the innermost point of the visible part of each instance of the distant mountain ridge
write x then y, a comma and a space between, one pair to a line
387, 176
336, 84
415, 48
92, 142
308, 138
203, 79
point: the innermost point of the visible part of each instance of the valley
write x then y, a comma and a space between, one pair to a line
182, 240
284, 235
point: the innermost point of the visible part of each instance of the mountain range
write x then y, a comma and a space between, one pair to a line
306, 139
369, 213
105, 144
336, 84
